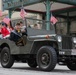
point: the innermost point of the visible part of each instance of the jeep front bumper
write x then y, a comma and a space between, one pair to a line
67, 52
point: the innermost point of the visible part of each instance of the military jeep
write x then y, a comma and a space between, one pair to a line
43, 48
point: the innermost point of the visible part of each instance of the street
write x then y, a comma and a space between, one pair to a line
24, 69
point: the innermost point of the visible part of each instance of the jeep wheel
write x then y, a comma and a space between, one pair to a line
32, 63
46, 58
7, 60
71, 65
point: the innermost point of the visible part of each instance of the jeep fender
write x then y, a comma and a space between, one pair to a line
38, 44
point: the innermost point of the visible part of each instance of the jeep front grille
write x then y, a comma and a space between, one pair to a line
66, 42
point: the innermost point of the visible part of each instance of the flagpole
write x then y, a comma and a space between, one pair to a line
23, 8
22, 3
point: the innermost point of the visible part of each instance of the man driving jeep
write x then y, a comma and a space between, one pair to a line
16, 35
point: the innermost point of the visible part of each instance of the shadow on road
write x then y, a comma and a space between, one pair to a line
26, 68
37, 69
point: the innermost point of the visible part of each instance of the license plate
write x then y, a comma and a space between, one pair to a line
73, 52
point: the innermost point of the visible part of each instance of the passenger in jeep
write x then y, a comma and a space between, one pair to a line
6, 27
23, 28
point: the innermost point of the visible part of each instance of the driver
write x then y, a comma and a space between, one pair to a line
16, 35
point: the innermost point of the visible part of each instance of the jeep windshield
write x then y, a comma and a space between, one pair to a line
39, 27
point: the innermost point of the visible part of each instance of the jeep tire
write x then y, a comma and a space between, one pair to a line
71, 65
46, 58
7, 59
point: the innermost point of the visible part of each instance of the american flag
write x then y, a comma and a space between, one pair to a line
53, 20
6, 20
22, 13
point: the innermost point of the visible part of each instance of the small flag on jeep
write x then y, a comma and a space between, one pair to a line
22, 13
6, 20
53, 19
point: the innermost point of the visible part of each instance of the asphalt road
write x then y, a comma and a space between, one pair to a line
24, 69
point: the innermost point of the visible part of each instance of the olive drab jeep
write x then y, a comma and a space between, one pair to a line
43, 48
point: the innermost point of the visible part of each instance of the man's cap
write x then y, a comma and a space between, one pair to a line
18, 24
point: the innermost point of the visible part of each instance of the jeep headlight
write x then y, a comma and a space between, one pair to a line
74, 39
59, 38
